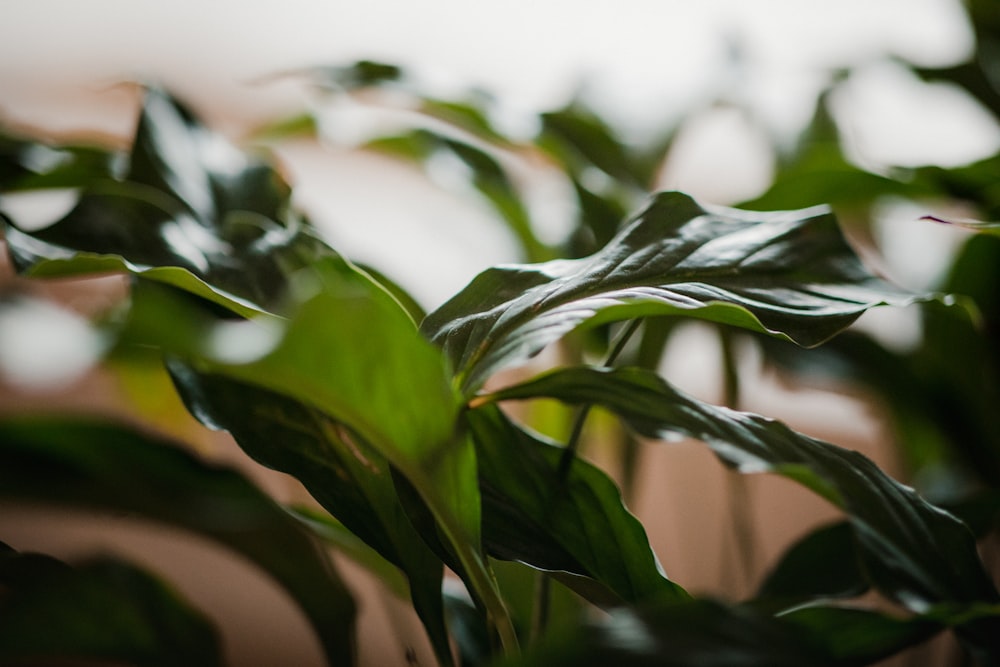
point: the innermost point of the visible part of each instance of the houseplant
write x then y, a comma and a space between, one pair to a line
328, 372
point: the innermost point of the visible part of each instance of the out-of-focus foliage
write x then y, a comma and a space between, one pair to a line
333, 374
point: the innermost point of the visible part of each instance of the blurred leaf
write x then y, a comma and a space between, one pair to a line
89, 464
823, 564
189, 200
576, 524
577, 136
913, 551
790, 274
817, 170
361, 74
27, 164
101, 610
710, 634
344, 474
483, 171
986, 227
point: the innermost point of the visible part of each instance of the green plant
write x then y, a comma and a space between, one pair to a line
416, 460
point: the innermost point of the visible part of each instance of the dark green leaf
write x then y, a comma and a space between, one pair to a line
823, 564
346, 476
87, 464
710, 634
790, 274
576, 525
102, 610
189, 200
913, 551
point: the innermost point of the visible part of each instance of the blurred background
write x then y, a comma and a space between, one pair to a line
886, 110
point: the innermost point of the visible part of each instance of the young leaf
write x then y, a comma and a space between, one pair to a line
101, 610
89, 464
913, 551
577, 525
790, 274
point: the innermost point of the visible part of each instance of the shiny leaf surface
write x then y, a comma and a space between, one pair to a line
576, 525
789, 274
913, 551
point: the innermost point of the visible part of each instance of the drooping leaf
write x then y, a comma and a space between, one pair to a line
576, 525
345, 475
27, 164
101, 610
913, 551
790, 274
106, 467
710, 634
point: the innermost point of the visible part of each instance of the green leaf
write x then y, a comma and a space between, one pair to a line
345, 475
710, 634
112, 468
351, 352
913, 551
484, 173
577, 525
188, 200
790, 274
101, 610
823, 564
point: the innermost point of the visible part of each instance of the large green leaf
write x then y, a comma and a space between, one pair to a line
710, 634
345, 475
913, 551
101, 610
89, 464
574, 523
351, 352
790, 274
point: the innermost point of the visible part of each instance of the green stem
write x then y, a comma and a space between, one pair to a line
738, 491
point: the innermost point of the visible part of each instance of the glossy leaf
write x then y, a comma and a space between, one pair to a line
577, 525
101, 610
790, 274
344, 474
710, 634
111, 468
913, 551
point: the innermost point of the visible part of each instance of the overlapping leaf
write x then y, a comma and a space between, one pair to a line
345, 475
88, 464
790, 274
913, 551
101, 610
187, 200
576, 524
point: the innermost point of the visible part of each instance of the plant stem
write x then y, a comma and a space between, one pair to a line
573, 442
738, 491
